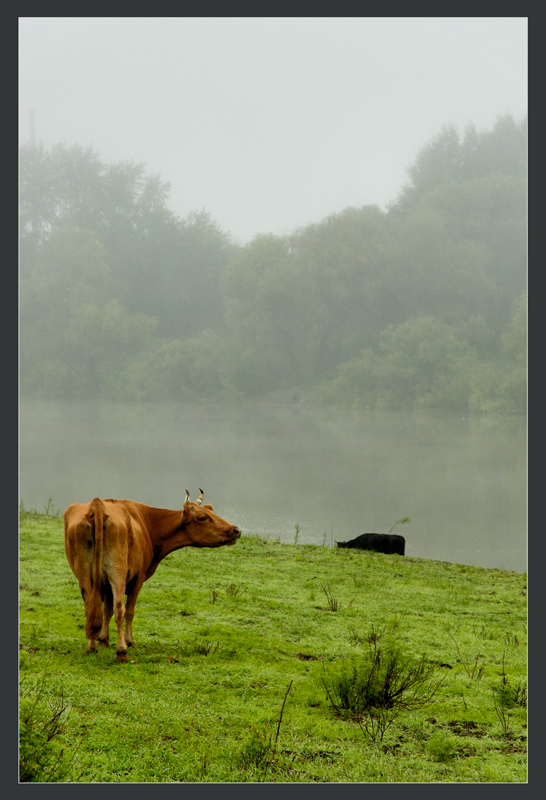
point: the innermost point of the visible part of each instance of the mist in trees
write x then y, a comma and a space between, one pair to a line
419, 306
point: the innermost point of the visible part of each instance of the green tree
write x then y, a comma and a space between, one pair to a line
71, 186
500, 384
181, 277
500, 151
461, 250
99, 340
71, 269
419, 364
189, 370
439, 161
447, 159
102, 254
74, 334
346, 259
254, 285
296, 306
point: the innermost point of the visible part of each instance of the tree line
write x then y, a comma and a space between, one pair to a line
419, 306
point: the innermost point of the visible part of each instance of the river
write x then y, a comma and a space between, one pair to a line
294, 473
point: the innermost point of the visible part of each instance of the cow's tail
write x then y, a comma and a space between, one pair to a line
93, 617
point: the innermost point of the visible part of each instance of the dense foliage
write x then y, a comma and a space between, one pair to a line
421, 306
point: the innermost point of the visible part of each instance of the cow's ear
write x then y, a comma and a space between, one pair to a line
208, 505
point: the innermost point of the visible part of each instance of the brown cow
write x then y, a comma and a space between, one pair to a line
113, 546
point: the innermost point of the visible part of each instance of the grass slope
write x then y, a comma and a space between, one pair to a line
224, 637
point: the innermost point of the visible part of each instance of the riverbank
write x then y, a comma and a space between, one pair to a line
235, 648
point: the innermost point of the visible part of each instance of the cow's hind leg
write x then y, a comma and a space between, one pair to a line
104, 635
85, 591
133, 588
118, 596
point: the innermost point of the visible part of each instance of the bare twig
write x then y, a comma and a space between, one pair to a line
274, 748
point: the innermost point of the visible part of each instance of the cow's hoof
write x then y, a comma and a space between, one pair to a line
104, 642
122, 658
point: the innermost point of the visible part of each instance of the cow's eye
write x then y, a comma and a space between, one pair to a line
202, 519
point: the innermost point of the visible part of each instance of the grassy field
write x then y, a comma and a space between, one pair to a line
240, 652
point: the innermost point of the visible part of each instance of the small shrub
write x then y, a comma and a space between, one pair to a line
506, 697
507, 694
372, 637
402, 521
374, 690
472, 666
41, 720
510, 696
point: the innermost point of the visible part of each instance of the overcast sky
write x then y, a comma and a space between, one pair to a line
268, 124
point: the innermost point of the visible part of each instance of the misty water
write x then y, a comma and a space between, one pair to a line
269, 468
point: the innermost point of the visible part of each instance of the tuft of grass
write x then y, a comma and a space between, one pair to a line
213, 596
204, 648
49, 510
235, 589
442, 748
333, 603
297, 533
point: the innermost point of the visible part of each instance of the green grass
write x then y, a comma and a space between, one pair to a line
225, 637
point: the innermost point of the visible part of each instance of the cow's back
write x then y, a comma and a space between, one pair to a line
127, 538
387, 543
126, 541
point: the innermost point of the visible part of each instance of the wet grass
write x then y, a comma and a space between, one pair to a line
205, 695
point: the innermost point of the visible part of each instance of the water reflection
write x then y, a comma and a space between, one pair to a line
336, 474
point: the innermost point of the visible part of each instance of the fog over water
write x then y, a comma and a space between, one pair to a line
268, 467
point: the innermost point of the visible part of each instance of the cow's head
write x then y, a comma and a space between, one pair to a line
203, 527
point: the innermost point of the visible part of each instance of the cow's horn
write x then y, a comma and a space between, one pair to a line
187, 500
200, 498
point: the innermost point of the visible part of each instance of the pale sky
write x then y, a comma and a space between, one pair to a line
273, 123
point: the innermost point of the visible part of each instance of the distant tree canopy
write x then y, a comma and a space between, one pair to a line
422, 306
159, 264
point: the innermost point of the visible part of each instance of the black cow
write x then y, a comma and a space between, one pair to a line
380, 542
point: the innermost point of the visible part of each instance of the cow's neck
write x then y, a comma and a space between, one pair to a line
167, 532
